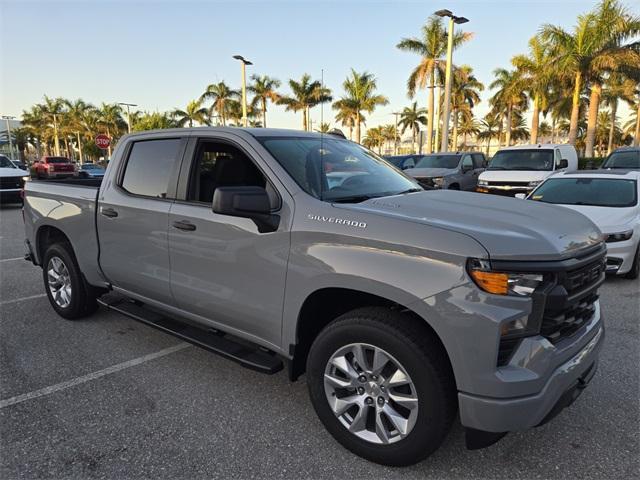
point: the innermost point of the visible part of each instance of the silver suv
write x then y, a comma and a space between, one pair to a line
453, 170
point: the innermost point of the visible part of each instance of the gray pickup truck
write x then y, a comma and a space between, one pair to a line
402, 306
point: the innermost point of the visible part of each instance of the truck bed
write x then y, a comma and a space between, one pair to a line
70, 206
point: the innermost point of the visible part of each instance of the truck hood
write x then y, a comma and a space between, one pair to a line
508, 228
609, 220
12, 172
515, 175
429, 172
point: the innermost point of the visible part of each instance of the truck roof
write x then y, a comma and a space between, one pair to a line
542, 146
631, 174
254, 132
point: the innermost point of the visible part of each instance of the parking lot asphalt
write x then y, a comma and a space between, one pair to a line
135, 407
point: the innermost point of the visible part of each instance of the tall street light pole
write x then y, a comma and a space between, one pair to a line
244, 62
128, 105
446, 112
6, 118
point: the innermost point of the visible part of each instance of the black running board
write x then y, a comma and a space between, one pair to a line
244, 353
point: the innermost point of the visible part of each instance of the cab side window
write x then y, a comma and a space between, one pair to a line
478, 160
149, 167
218, 164
467, 163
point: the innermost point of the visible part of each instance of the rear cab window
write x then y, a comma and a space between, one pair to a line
150, 166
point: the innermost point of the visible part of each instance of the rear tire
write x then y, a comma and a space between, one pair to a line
635, 268
68, 292
416, 368
455, 186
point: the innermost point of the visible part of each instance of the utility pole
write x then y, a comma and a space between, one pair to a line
244, 62
6, 118
79, 146
395, 139
128, 105
56, 141
447, 84
437, 119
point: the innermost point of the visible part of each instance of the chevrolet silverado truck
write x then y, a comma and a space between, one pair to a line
403, 307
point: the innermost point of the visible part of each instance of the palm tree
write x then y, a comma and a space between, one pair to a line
536, 69
52, 110
509, 96
347, 116
306, 94
632, 126
465, 95
468, 126
154, 121
489, 130
360, 97
374, 137
617, 88
325, 127
412, 117
75, 122
264, 89
431, 47
111, 119
194, 112
221, 95
594, 48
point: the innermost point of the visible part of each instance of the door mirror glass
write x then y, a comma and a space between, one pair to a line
246, 202
564, 163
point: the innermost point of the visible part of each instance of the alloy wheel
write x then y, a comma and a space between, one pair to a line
59, 281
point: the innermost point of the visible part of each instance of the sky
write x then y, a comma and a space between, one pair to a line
162, 54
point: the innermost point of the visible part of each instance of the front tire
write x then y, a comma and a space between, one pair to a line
68, 292
635, 268
382, 385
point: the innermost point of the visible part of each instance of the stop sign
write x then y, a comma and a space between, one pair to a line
102, 141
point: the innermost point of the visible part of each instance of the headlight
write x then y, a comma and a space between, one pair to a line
535, 183
483, 183
439, 181
502, 283
619, 237
24, 179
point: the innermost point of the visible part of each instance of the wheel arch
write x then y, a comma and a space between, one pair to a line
324, 305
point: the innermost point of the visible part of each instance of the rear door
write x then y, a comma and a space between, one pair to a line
222, 268
133, 214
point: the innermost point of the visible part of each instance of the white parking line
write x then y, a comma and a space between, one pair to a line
91, 376
31, 297
11, 259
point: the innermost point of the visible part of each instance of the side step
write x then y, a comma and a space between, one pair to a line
244, 353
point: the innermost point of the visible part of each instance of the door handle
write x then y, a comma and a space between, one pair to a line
108, 212
184, 225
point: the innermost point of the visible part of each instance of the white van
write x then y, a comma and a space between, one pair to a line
521, 168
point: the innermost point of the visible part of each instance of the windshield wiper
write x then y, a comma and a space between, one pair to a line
351, 199
411, 190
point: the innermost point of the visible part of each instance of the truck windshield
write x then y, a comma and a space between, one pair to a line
5, 162
522, 160
57, 160
597, 192
439, 161
629, 159
337, 170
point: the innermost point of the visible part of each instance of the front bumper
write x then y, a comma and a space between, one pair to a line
620, 256
520, 413
505, 190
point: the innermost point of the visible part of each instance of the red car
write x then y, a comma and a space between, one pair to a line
54, 167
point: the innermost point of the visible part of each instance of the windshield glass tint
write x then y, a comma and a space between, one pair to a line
57, 160
439, 161
91, 167
623, 160
6, 163
598, 192
522, 160
336, 170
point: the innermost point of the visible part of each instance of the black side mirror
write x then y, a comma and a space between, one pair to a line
246, 202
564, 163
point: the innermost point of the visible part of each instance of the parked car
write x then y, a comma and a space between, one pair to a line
12, 181
90, 170
20, 164
610, 199
624, 157
54, 167
403, 161
522, 168
452, 170
403, 306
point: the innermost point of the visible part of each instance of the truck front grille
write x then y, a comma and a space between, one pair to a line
556, 326
8, 183
508, 184
426, 182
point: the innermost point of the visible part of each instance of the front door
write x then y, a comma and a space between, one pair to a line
222, 268
469, 175
133, 215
